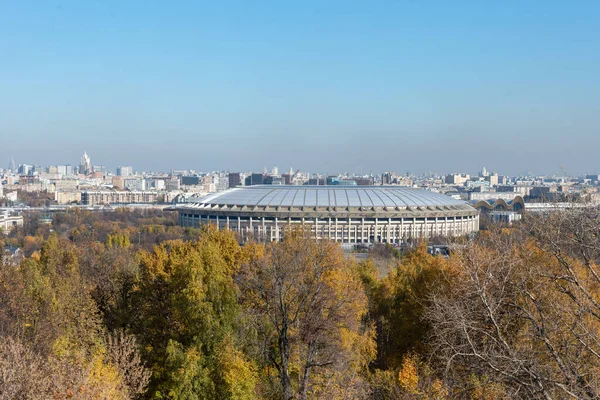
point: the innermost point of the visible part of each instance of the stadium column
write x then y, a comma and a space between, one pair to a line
336, 229
414, 228
362, 231
401, 235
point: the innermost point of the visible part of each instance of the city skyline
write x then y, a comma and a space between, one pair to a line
114, 169
442, 86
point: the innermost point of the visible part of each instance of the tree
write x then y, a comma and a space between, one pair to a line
122, 352
23, 373
186, 305
398, 303
51, 342
522, 314
306, 303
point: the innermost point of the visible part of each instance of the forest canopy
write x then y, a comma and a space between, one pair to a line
131, 306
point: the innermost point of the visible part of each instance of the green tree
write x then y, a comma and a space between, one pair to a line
186, 305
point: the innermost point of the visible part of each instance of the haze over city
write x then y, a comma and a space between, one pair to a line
298, 200
324, 86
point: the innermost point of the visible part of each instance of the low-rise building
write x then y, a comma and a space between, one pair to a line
10, 222
67, 197
505, 217
457, 179
11, 255
113, 197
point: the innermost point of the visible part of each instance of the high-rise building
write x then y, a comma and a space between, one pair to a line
387, 178
25, 169
124, 171
85, 165
493, 179
65, 169
256, 179
12, 166
234, 179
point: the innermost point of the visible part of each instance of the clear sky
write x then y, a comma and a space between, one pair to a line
327, 86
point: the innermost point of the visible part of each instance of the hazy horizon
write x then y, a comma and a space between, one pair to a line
326, 87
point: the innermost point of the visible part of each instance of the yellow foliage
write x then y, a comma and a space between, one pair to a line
239, 375
408, 377
104, 379
36, 256
439, 390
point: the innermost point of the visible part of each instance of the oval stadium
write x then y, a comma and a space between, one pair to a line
345, 214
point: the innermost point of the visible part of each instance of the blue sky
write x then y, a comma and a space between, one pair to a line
328, 86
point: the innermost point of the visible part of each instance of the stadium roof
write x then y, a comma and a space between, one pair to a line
365, 197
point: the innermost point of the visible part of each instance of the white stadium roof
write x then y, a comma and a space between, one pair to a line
270, 196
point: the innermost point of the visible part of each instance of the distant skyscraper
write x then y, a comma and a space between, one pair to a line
25, 169
124, 171
234, 179
12, 166
85, 165
65, 169
483, 173
256, 179
275, 171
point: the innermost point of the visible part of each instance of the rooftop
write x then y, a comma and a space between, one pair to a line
330, 196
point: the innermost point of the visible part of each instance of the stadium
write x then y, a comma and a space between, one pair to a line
345, 214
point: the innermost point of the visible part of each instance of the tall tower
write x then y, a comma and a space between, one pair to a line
85, 165
12, 166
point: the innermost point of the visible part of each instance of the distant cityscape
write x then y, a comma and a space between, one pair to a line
89, 184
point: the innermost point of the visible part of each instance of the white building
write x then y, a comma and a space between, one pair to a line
124, 171
8, 223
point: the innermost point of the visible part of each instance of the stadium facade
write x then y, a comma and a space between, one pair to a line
359, 214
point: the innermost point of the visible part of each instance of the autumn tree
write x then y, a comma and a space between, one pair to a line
398, 302
185, 303
523, 313
52, 342
306, 303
